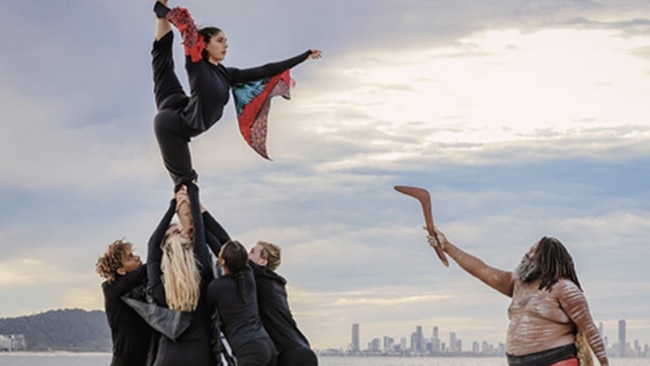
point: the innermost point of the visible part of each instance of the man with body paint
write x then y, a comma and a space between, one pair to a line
550, 322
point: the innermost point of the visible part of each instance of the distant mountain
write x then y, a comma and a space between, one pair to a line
72, 330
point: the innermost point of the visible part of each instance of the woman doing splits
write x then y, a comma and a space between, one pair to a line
181, 117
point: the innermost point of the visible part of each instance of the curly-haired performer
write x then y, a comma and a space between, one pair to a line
123, 271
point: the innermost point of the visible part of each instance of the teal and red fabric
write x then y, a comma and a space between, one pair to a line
253, 101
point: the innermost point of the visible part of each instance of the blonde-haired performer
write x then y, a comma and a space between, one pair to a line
549, 315
179, 270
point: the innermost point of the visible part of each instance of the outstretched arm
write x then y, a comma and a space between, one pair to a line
184, 211
154, 256
270, 69
200, 247
216, 235
497, 279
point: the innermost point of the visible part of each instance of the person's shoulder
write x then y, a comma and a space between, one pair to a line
106, 286
565, 285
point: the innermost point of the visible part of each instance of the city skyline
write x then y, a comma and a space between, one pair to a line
455, 344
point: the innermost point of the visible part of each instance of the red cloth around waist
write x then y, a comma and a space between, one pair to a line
570, 362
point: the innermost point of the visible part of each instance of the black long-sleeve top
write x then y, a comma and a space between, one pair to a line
239, 316
129, 332
274, 310
210, 84
215, 234
193, 345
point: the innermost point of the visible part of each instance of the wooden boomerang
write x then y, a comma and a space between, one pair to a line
422, 195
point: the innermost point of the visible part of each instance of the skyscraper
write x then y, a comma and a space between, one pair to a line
355, 338
435, 342
621, 338
420, 339
452, 342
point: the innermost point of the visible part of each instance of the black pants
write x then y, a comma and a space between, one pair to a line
297, 357
172, 132
258, 352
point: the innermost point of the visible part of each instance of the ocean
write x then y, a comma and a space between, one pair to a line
103, 359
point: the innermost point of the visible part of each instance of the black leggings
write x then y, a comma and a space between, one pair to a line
297, 357
258, 352
172, 132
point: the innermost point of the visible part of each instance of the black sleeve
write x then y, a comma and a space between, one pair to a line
154, 256
200, 247
215, 234
123, 284
265, 71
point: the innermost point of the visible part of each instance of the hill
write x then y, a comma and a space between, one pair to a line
73, 330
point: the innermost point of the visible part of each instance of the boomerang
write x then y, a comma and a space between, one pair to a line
423, 196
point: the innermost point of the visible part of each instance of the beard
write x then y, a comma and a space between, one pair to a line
527, 271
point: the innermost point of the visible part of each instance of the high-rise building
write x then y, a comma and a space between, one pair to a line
355, 338
621, 338
420, 339
476, 348
375, 345
452, 342
435, 342
389, 344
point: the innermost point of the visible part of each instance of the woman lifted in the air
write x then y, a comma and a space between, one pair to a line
181, 117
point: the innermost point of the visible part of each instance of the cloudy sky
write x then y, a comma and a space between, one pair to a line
522, 118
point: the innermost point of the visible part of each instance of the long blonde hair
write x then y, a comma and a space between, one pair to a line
181, 277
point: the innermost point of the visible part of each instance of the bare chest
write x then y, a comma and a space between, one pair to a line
531, 305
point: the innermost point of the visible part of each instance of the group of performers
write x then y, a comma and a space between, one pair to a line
181, 308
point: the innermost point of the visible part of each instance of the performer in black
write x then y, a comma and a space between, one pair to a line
179, 271
181, 117
292, 345
233, 296
124, 272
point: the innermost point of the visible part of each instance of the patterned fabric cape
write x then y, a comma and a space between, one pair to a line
253, 101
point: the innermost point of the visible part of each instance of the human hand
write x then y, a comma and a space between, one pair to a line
439, 239
315, 54
181, 197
